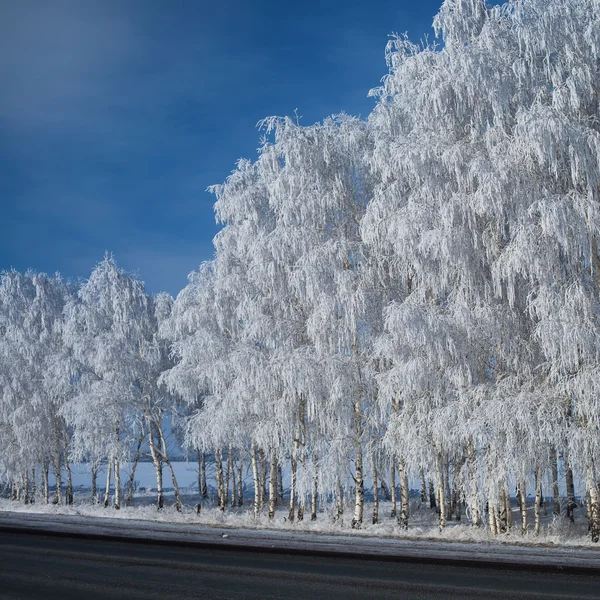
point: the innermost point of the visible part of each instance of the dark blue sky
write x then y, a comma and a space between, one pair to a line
116, 115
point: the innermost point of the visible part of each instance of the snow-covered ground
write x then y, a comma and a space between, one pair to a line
556, 532
170, 527
423, 521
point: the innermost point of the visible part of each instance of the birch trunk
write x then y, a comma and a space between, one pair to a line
314, 495
117, 468
240, 485
448, 488
523, 506
555, 489
132, 474
273, 485
107, 490
594, 503
33, 486
256, 478
158, 468
69, 494
393, 490
58, 475
229, 475
404, 505
94, 484
359, 496
294, 474
204, 486
165, 456
423, 487
508, 507
440, 485
432, 501
45, 482
340, 499
475, 517
175, 485
301, 501
492, 518
199, 461
263, 476
280, 483
222, 501
375, 494
26, 487
571, 504
301, 452
503, 521
538, 500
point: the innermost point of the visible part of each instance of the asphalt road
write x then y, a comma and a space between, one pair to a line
35, 566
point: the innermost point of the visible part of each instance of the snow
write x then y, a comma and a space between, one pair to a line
169, 527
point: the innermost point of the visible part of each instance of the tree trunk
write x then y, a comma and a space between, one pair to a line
65, 444
594, 503
165, 456
199, 461
340, 499
294, 474
132, 474
158, 468
273, 485
475, 517
393, 490
58, 475
448, 488
222, 500
280, 482
432, 501
508, 507
359, 495
240, 485
503, 521
423, 487
314, 495
404, 501
492, 518
555, 489
26, 487
263, 476
571, 504
538, 500
375, 493
107, 491
229, 475
94, 484
45, 482
256, 478
33, 486
117, 484
301, 500
523, 506
204, 486
440, 485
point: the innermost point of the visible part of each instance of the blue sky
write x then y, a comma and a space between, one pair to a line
116, 115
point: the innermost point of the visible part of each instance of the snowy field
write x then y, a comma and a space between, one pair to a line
423, 520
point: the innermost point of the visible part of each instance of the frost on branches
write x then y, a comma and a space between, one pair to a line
413, 298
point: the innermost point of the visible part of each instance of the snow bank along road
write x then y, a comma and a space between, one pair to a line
584, 561
43, 566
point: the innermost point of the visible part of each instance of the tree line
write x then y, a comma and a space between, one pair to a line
416, 293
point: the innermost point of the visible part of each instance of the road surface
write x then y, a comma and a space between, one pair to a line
46, 567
